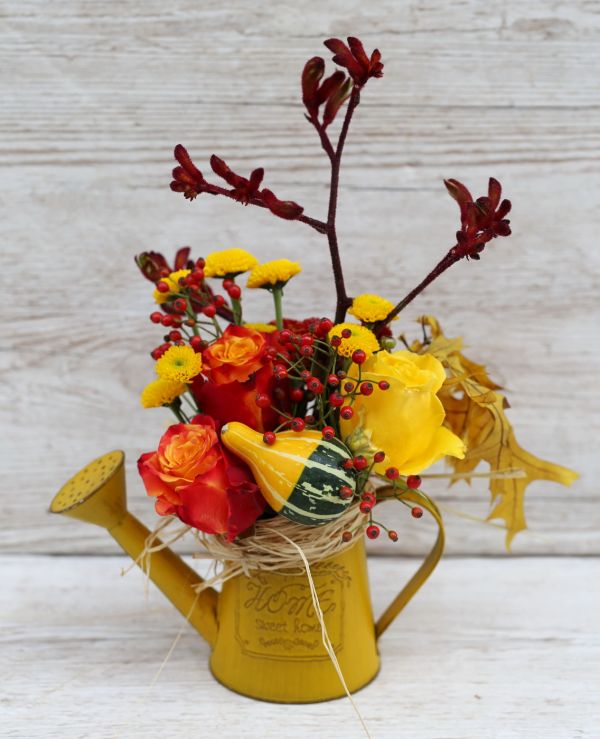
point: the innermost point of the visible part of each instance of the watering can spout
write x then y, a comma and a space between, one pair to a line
96, 494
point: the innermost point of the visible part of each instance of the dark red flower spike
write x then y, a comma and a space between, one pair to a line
354, 58
154, 265
312, 73
334, 91
335, 101
243, 189
187, 178
481, 220
283, 208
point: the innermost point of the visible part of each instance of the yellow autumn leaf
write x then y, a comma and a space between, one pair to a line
475, 413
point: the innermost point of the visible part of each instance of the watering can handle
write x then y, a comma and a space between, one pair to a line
429, 564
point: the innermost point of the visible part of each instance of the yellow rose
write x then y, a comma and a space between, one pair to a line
404, 421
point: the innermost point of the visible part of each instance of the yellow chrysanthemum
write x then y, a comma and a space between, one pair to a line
360, 338
161, 392
228, 263
371, 308
264, 328
272, 274
179, 363
174, 287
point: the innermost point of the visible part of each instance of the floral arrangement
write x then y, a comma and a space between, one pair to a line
305, 417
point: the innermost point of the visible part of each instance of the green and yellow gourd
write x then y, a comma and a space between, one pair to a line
300, 475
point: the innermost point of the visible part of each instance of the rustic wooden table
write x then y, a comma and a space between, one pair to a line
491, 648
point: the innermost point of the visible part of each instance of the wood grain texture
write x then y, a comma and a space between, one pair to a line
95, 95
463, 661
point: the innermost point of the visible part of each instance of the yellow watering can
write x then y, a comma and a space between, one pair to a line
265, 637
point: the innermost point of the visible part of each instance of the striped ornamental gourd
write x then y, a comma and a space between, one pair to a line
300, 475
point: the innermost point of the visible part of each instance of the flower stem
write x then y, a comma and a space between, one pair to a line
236, 306
175, 406
343, 301
277, 295
450, 259
312, 222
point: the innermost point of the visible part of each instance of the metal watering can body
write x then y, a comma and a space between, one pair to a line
264, 633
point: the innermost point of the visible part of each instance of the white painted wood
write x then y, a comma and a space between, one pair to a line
490, 649
95, 95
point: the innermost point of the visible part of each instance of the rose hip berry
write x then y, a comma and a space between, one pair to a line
235, 292
360, 462
391, 473
336, 400
417, 512
315, 386
346, 413
296, 394
262, 400
373, 531
328, 433
378, 457
359, 356
413, 482
269, 437
196, 343
346, 492
298, 424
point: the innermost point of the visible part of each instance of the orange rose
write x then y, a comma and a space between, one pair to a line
234, 356
194, 478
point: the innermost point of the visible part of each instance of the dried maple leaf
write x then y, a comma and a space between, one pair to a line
475, 412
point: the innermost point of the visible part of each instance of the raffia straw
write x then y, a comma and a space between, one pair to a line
265, 551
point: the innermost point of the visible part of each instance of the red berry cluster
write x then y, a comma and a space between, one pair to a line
184, 310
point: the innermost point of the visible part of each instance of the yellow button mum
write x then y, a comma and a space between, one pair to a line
179, 363
228, 263
174, 287
360, 338
406, 420
273, 274
161, 392
371, 308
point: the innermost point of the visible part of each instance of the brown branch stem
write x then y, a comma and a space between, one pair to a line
343, 302
449, 259
319, 226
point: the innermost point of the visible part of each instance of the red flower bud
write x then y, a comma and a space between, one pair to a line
283, 208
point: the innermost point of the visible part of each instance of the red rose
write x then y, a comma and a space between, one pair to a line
194, 478
236, 401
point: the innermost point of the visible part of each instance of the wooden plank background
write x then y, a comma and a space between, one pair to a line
95, 95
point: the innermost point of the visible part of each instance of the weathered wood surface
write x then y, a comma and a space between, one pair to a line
95, 95
490, 649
